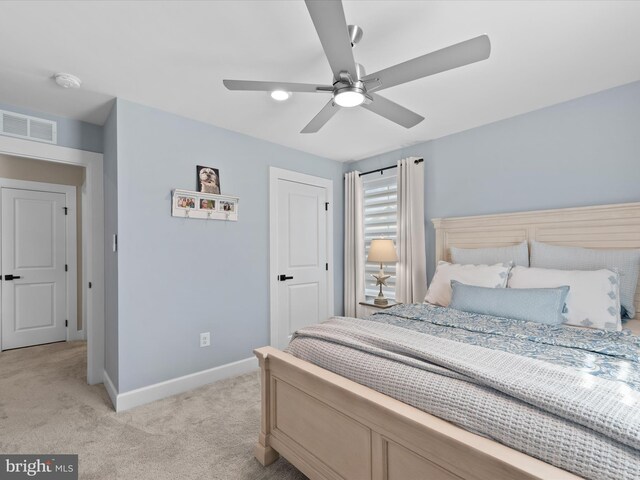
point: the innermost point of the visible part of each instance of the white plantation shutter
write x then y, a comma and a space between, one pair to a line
380, 221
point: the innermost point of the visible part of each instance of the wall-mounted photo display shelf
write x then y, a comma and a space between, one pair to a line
207, 206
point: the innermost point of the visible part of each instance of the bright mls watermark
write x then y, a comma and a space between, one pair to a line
50, 467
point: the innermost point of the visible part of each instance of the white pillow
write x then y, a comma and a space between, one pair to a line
492, 276
594, 295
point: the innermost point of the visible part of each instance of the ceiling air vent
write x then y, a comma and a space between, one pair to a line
30, 128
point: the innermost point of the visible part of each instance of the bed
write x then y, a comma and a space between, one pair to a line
331, 427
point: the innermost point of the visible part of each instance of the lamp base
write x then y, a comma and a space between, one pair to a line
381, 280
380, 301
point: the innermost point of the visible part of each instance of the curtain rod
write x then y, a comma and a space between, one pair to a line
387, 168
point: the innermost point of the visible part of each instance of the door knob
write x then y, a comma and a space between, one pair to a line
284, 277
12, 277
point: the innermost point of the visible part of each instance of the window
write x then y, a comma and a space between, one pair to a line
380, 217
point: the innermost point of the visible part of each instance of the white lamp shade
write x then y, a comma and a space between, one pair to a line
382, 250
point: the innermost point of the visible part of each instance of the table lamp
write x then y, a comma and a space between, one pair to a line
382, 251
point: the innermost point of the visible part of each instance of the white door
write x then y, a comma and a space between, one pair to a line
302, 261
34, 292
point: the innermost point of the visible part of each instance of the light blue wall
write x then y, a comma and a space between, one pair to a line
179, 277
578, 153
71, 133
110, 180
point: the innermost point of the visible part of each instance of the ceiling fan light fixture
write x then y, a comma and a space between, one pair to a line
280, 95
348, 97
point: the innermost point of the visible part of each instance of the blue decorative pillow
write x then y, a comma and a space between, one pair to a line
542, 305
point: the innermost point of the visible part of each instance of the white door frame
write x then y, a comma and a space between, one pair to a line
276, 174
70, 248
92, 234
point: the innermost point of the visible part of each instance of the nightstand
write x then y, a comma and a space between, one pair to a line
369, 308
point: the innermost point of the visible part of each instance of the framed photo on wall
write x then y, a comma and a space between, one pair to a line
207, 180
227, 206
207, 204
185, 202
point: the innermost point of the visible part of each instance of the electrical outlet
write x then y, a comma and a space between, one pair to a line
205, 339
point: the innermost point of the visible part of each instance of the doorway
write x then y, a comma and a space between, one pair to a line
91, 287
38, 247
301, 260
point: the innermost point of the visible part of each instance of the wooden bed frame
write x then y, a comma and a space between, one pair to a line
330, 427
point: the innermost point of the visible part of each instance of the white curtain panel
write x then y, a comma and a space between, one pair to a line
411, 280
353, 244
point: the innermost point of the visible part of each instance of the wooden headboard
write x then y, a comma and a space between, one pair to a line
603, 226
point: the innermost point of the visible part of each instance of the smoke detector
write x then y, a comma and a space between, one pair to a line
66, 80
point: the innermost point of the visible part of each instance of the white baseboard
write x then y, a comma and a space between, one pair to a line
111, 389
76, 335
151, 393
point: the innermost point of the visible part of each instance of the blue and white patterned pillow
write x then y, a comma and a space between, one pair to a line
625, 262
594, 296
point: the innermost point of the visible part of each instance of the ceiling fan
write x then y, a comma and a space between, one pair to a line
351, 87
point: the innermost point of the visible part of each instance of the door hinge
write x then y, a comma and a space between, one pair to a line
66, 267
326, 206
66, 323
66, 210
326, 267
90, 285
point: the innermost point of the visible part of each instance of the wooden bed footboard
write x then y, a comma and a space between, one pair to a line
330, 427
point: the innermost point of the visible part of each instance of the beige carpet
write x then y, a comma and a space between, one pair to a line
209, 433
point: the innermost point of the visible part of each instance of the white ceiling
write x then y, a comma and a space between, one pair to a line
174, 55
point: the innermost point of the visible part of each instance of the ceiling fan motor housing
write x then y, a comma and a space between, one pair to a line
345, 78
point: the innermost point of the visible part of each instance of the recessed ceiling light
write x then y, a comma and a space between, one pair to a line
66, 80
280, 95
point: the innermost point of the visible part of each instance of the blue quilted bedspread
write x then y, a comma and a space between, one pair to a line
612, 355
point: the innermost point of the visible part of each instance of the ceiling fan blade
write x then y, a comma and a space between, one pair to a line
271, 86
331, 25
328, 111
392, 111
454, 56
